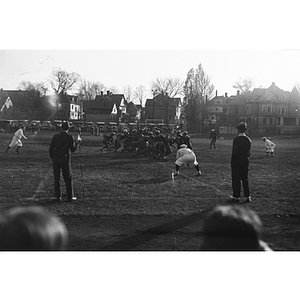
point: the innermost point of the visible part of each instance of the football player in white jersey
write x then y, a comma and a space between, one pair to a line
185, 156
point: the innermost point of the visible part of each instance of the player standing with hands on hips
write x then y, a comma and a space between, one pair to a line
240, 164
61, 145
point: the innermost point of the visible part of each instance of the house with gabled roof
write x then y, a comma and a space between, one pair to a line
163, 109
23, 104
266, 111
105, 108
134, 112
60, 107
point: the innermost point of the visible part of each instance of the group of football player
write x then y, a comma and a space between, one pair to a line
151, 143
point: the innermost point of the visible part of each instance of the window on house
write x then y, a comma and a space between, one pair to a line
269, 108
271, 121
264, 121
278, 121
263, 108
218, 101
283, 110
296, 108
289, 121
225, 110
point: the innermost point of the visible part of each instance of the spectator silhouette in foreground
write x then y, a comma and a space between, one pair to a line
32, 228
233, 228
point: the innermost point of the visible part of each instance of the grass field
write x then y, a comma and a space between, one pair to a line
131, 203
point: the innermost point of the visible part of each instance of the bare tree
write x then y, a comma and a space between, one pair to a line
37, 87
89, 90
244, 84
62, 81
197, 89
171, 86
127, 91
139, 94
98, 87
113, 90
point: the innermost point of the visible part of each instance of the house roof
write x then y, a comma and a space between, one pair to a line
160, 100
103, 104
271, 94
104, 101
16, 96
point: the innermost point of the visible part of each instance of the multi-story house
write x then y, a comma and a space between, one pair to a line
266, 111
19, 105
134, 112
163, 109
59, 107
105, 108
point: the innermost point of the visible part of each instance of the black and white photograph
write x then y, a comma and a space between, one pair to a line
150, 148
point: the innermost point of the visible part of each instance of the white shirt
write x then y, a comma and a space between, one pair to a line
269, 144
19, 134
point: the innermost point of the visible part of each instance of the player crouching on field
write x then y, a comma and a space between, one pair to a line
185, 156
270, 146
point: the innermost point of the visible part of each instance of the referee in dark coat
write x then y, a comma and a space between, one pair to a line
61, 145
240, 164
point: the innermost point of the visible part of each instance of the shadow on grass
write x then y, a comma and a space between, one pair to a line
133, 242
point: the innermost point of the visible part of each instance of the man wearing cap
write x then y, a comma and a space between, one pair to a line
185, 156
213, 138
240, 164
61, 145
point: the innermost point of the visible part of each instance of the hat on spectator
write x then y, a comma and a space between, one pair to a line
65, 125
242, 126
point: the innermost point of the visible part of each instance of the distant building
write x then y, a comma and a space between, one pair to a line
134, 112
105, 108
164, 108
60, 107
266, 111
19, 105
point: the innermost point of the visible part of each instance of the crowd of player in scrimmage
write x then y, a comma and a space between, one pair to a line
146, 142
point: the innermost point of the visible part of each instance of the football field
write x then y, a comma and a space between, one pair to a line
129, 202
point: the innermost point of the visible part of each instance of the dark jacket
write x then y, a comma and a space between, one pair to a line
241, 149
61, 145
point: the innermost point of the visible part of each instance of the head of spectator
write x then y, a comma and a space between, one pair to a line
232, 228
65, 126
242, 127
32, 228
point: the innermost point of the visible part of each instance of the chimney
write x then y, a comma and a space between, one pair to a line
101, 93
216, 93
273, 83
107, 93
226, 95
237, 92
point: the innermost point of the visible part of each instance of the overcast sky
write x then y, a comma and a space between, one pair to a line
132, 43
123, 67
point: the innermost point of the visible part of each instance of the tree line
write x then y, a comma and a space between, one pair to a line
195, 90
